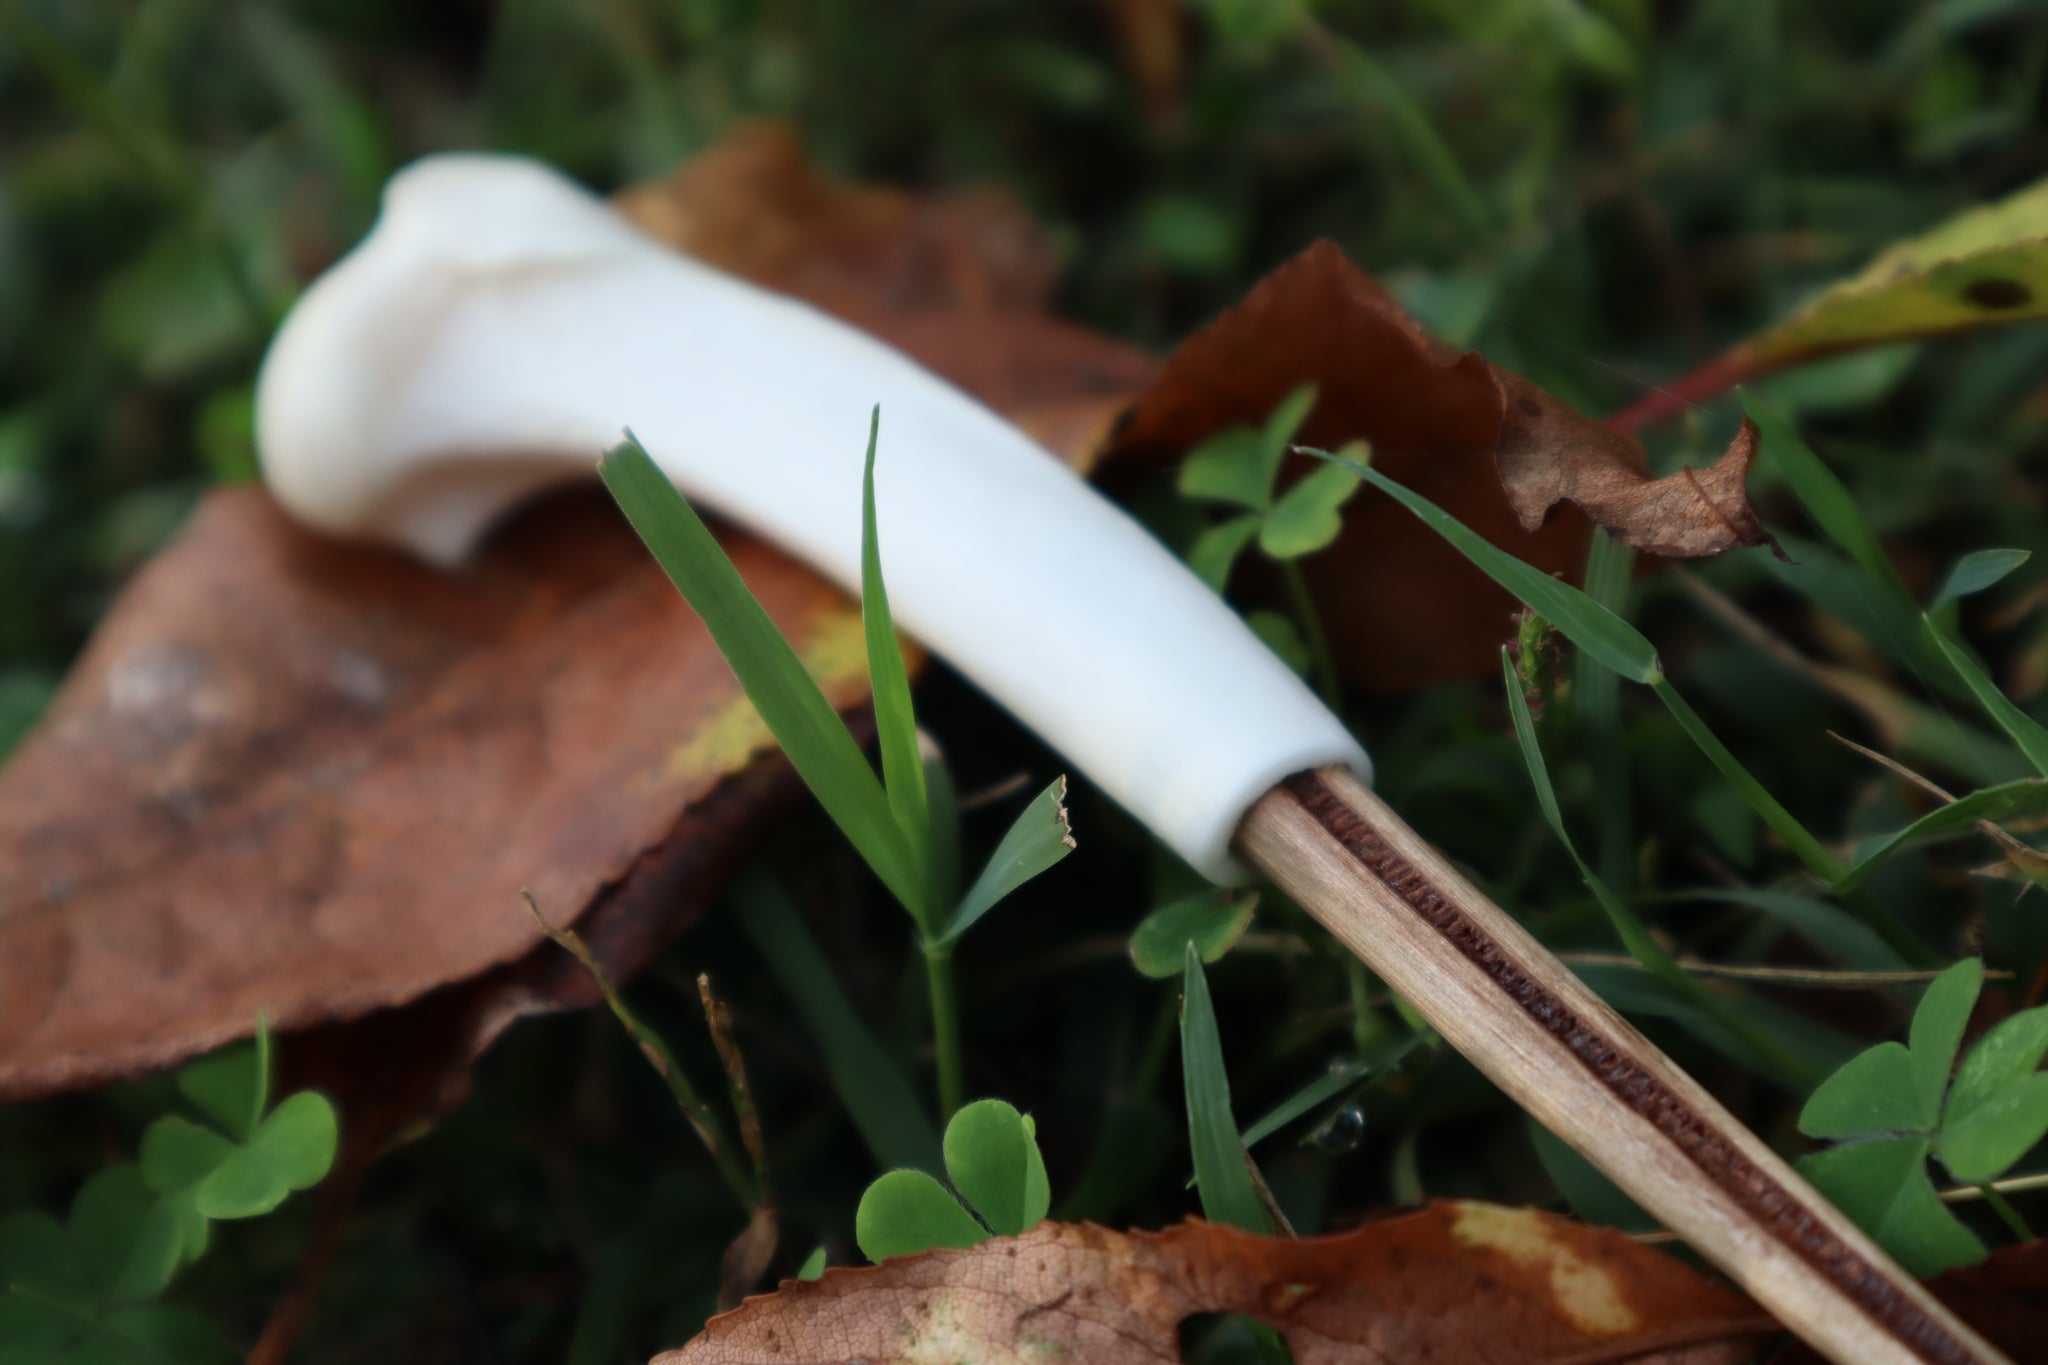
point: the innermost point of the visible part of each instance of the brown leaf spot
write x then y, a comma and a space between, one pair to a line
1997, 293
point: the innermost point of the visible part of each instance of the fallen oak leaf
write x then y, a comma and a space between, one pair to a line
292, 777
1453, 1281
1401, 608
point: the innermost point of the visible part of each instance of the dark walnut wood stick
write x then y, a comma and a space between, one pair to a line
1500, 998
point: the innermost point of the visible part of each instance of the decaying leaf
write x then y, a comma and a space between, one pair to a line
1986, 266
1465, 1282
309, 779
1402, 608
1982, 268
302, 778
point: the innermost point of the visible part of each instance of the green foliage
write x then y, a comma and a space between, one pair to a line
1894, 1105
1209, 921
1768, 1056
2023, 798
999, 1189
1614, 643
1240, 468
2028, 734
905, 825
789, 700
1223, 1172
1976, 571
1037, 839
875, 1090
1599, 196
80, 1292
1603, 635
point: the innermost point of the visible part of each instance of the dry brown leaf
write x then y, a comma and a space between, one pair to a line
1403, 608
1466, 1282
310, 779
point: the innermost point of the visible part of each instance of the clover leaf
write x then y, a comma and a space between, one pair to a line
999, 1188
1240, 467
1893, 1106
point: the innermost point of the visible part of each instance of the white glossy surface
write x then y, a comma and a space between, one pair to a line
501, 325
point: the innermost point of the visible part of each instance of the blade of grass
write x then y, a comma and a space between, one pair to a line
1623, 648
942, 804
1341, 1076
1587, 624
889, 680
1222, 1169
1037, 838
703, 1119
2024, 730
1827, 927
1992, 803
1882, 609
1598, 690
1766, 1057
1824, 496
788, 698
1782, 822
1977, 571
1906, 726
877, 1094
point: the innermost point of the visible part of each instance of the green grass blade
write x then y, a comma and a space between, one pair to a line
1827, 927
889, 680
1608, 563
1871, 598
2024, 730
1978, 570
1765, 1055
1037, 838
1221, 1171
877, 1094
942, 802
1992, 803
1590, 626
1797, 837
1341, 1076
1824, 496
1623, 648
788, 698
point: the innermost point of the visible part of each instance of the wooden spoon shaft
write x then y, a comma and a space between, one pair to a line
1520, 1016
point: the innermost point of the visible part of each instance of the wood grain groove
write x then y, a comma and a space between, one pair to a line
1768, 1202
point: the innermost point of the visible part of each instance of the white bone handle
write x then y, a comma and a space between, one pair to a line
500, 325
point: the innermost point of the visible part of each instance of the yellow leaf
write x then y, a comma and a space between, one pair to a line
1983, 267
